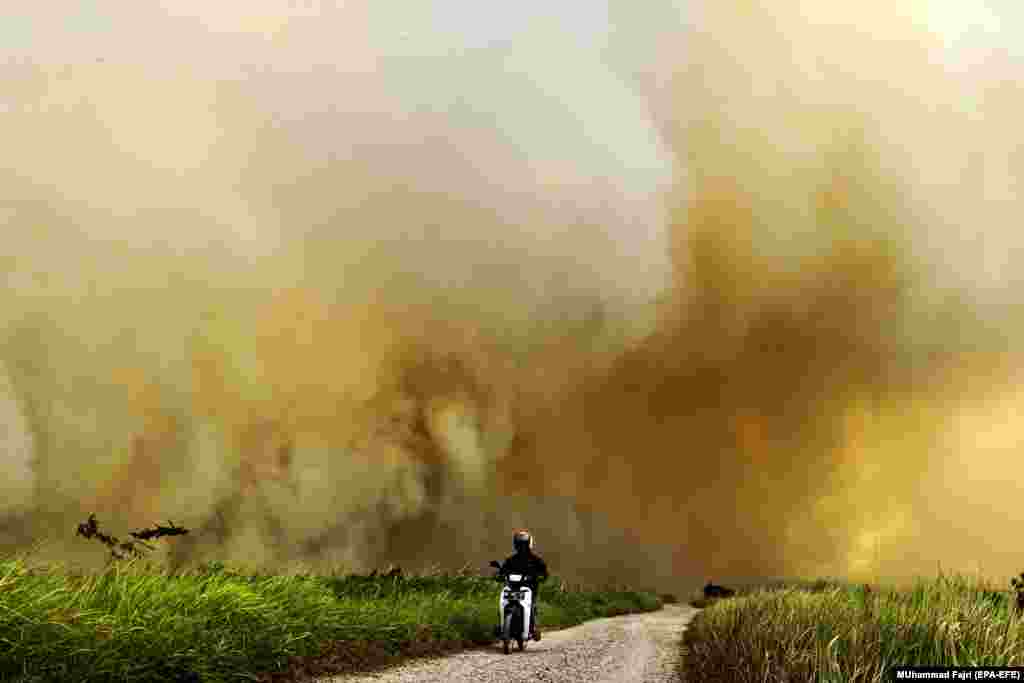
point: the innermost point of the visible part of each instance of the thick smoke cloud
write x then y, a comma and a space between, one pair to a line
844, 294
293, 303
272, 298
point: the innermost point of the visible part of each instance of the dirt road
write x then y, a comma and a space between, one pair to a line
638, 647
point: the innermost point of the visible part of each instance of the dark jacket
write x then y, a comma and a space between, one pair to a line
526, 563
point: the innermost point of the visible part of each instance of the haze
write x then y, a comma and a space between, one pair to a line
702, 290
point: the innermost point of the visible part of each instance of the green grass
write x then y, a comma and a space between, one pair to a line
136, 622
830, 631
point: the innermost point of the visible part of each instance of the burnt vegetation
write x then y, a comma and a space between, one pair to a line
120, 550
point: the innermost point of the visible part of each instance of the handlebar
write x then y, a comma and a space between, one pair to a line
500, 575
527, 578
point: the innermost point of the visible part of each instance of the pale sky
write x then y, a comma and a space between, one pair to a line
559, 79
564, 86
555, 78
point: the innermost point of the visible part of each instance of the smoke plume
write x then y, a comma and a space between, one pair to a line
282, 301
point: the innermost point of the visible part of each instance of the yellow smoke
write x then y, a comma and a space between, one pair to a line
384, 354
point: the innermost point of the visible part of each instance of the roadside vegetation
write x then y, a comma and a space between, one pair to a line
830, 631
137, 621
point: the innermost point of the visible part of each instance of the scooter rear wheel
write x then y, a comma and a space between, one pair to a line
517, 628
507, 631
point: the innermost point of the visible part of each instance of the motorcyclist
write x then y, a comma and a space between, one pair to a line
524, 561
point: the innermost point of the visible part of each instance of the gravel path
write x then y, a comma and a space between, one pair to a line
638, 647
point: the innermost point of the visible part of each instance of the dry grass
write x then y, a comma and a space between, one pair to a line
831, 631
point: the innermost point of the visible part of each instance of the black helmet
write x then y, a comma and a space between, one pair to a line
522, 541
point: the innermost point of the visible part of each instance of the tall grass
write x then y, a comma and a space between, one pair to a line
832, 631
134, 621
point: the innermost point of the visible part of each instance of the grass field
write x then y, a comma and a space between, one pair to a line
831, 631
136, 622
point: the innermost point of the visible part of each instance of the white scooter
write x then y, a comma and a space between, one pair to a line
514, 610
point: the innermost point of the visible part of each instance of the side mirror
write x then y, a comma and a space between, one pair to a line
494, 563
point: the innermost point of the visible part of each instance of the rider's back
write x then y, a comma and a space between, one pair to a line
526, 563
